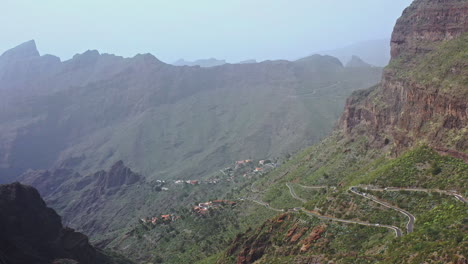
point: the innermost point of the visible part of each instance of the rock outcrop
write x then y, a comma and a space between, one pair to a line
422, 96
283, 235
30, 232
117, 176
428, 22
356, 62
75, 194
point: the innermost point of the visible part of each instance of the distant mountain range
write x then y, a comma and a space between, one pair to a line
374, 52
205, 63
164, 121
108, 142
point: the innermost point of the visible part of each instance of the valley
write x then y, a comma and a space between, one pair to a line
306, 161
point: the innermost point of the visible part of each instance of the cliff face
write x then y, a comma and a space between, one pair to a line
423, 94
427, 22
81, 196
30, 232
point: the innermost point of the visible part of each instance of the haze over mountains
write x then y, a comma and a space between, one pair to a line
374, 52
241, 163
202, 63
95, 109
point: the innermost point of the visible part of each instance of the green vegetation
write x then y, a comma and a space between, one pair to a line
440, 237
421, 167
443, 69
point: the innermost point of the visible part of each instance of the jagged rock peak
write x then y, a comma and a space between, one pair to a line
25, 50
117, 176
317, 58
356, 62
89, 54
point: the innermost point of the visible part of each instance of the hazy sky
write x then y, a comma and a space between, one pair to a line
191, 29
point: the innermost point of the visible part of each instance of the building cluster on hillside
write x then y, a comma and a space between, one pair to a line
163, 219
243, 162
203, 208
192, 182
246, 168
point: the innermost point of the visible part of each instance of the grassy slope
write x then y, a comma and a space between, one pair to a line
411, 167
441, 230
347, 161
444, 69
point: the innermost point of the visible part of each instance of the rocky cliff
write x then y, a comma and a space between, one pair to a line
423, 94
80, 198
421, 100
30, 232
284, 235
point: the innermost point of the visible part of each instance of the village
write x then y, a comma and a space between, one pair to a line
242, 168
163, 219
204, 208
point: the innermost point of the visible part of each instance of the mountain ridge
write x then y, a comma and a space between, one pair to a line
46, 107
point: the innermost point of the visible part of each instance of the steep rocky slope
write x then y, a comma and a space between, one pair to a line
82, 200
165, 121
422, 97
408, 133
30, 232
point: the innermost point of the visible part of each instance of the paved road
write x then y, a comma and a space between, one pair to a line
294, 195
411, 218
397, 230
315, 187
266, 205
457, 196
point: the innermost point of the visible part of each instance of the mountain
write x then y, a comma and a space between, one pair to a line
247, 61
205, 63
375, 52
357, 62
33, 233
163, 121
389, 184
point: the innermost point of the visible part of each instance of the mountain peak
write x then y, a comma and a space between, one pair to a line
25, 50
356, 62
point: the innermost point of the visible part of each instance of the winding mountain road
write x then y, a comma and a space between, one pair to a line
397, 230
315, 187
457, 196
294, 195
354, 190
265, 204
411, 218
